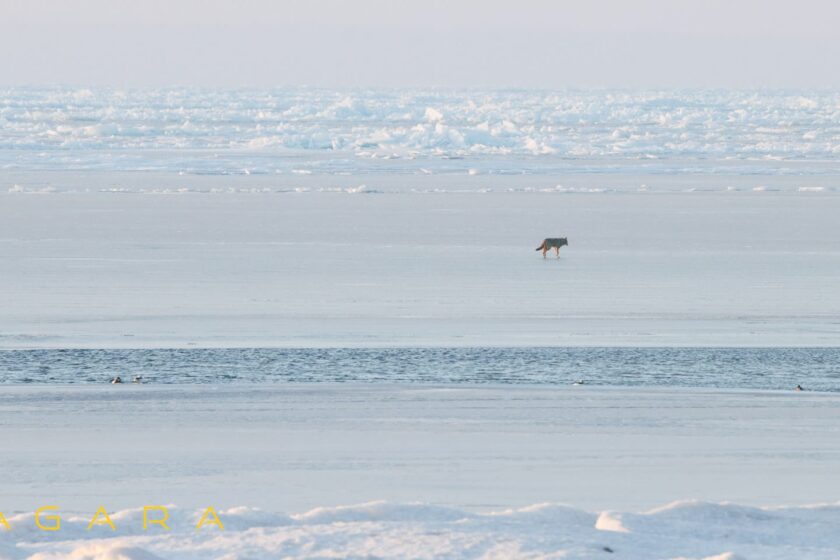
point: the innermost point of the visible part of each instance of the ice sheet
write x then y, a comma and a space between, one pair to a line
414, 269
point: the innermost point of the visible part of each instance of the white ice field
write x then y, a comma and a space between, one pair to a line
293, 132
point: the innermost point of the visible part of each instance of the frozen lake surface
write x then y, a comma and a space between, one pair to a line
468, 450
324, 269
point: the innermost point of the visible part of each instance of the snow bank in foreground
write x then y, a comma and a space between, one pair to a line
684, 530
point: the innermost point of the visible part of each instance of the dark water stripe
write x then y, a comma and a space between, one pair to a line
760, 368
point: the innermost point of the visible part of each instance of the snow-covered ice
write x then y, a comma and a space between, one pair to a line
679, 531
504, 472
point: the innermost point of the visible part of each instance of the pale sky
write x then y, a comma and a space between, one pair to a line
522, 43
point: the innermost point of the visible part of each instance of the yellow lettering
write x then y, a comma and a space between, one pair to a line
3, 522
161, 522
106, 519
214, 520
55, 518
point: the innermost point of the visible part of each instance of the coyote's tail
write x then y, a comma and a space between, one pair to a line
540, 248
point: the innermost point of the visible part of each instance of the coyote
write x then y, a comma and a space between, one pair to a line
555, 242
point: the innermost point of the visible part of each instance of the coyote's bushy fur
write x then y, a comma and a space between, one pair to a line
552, 242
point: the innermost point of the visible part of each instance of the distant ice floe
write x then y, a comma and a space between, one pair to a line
361, 189
31, 190
282, 187
302, 131
560, 189
685, 530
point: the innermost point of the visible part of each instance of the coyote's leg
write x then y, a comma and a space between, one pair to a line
557, 249
545, 250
